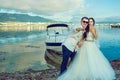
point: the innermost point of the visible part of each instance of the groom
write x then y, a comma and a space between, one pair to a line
68, 46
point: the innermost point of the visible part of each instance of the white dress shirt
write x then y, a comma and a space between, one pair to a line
71, 41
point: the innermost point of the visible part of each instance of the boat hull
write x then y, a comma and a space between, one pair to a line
53, 43
53, 53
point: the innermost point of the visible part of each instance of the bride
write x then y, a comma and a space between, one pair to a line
89, 62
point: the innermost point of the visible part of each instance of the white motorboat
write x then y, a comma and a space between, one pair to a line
56, 34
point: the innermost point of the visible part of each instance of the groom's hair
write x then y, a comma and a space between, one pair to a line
84, 18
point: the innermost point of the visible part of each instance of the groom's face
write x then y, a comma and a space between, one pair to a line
84, 22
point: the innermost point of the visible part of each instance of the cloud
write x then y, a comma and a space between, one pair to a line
58, 10
45, 6
62, 16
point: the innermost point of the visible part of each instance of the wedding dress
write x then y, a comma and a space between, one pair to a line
89, 64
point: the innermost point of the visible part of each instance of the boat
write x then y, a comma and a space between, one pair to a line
115, 26
56, 34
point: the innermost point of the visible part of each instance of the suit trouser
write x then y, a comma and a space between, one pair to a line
66, 55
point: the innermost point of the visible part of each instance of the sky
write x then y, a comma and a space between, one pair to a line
63, 10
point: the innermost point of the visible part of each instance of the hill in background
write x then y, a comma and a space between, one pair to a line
22, 18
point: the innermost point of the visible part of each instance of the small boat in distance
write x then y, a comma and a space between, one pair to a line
56, 34
115, 26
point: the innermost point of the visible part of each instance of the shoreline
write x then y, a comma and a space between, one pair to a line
48, 74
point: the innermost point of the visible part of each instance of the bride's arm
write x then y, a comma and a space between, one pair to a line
94, 32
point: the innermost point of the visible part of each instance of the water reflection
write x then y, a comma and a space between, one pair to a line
11, 32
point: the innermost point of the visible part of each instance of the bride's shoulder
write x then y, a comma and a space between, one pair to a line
93, 29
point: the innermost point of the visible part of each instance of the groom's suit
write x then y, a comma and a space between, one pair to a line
68, 48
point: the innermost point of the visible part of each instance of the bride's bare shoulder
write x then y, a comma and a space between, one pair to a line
93, 29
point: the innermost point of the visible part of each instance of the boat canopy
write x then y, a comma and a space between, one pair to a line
57, 25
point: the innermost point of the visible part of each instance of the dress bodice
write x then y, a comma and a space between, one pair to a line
89, 36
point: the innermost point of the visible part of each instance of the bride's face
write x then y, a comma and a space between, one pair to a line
91, 23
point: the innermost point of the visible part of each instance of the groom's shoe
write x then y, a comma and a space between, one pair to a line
60, 74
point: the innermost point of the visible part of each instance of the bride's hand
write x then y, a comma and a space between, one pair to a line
84, 30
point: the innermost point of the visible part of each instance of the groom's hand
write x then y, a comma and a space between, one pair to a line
79, 43
79, 29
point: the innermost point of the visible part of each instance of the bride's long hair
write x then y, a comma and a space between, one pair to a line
87, 29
